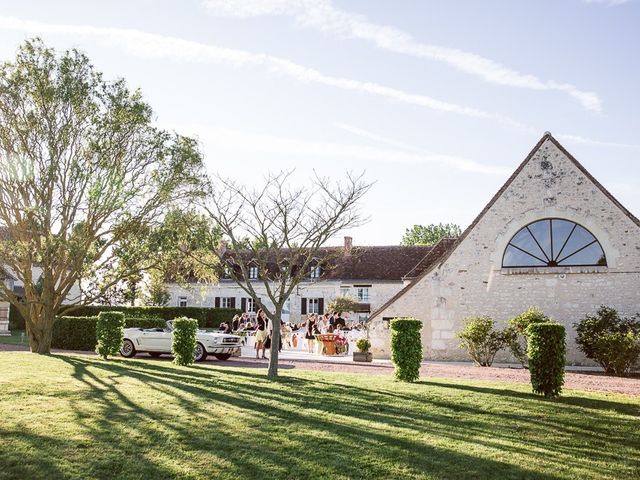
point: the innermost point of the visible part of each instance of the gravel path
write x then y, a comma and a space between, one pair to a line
590, 381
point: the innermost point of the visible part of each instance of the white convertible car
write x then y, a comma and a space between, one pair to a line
156, 341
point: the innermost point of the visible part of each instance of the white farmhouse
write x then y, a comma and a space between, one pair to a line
371, 275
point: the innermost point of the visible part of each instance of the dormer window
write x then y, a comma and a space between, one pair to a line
553, 242
253, 272
315, 272
227, 272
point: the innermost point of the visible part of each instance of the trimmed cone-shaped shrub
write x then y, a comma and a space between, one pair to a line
546, 351
406, 348
183, 345
109, 333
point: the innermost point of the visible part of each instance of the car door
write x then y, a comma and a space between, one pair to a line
156, 341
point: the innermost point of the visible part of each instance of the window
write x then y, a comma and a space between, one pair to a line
553, 242
344, 291
251, 305
313, 305
182, 301
227, 302
226, 275
363, 294
253, 272
315, 272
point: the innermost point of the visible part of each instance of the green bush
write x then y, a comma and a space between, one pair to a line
183, 345
610, 340
482, 340
79, 333
207, 317
406, 348
363, 345
516, 333
547, 357
109, 333
74, 333
16, 320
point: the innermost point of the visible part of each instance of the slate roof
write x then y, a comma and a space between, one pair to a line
377, 263
436, 253
361, 263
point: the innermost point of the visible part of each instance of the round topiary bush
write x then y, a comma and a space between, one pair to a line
363, 345
183, 345
406, 348
546, 352
109, 333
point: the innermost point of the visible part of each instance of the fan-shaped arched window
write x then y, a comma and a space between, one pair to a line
553, 242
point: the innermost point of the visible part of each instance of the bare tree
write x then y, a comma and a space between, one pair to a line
84, 178
281, 229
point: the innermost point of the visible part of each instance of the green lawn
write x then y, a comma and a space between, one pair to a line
80, 417
15, 338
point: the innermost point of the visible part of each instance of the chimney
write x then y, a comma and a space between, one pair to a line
348, 245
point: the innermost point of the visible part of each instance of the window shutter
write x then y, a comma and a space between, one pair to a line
243, 304
321, 306
233, 302
303, 306
217, 302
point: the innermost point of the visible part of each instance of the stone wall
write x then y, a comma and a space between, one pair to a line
471, 281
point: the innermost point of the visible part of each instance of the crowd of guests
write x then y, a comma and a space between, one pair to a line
314, 325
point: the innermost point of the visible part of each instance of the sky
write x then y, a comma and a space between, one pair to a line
436, 101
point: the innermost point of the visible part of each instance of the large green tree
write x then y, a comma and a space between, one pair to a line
430, 234
84, 178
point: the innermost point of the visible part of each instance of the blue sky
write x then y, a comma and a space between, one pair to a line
438, 101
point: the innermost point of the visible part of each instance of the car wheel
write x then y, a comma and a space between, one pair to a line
127, 350
155, 354
200, 354
222, 356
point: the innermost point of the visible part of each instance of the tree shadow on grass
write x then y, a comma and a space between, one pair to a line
325, 429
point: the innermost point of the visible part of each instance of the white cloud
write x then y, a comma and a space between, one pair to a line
608, 3
322, 15
596, 143
255, 144
154, 46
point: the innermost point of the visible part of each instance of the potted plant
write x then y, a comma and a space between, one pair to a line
364, 355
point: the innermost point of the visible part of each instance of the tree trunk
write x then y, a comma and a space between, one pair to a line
275, 344
40, 330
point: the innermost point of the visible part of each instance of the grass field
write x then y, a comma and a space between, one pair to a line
16, 338
80, 417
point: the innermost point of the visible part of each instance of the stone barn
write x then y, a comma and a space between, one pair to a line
552, 237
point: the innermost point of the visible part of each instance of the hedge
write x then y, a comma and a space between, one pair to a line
79, 333
406, 348
16, 320
546, 352
183, 344
109, 333
207, 317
